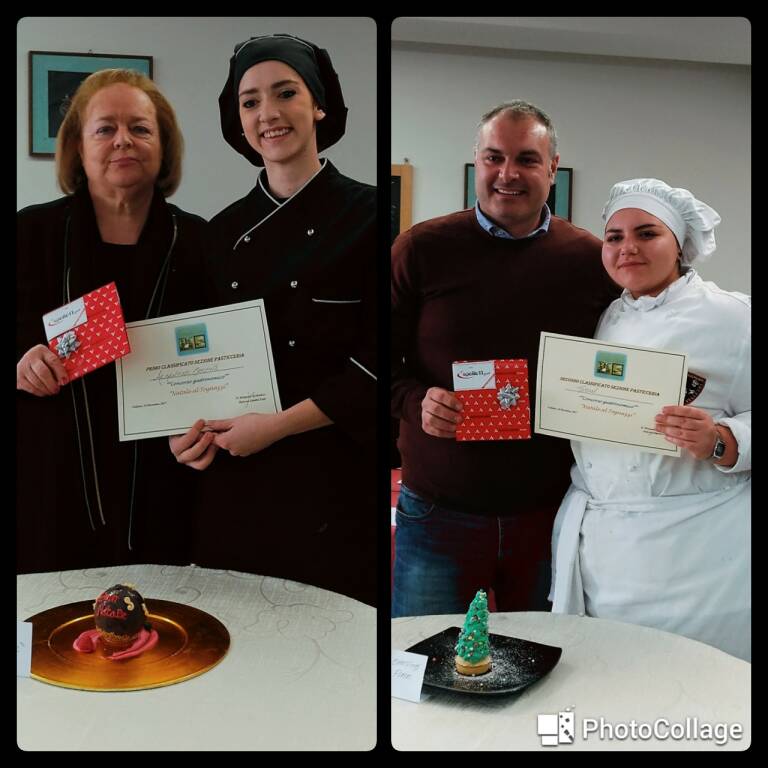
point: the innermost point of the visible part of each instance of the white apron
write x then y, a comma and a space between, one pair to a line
657, 540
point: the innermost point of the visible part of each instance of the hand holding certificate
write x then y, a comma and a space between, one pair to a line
593, 390
212, 364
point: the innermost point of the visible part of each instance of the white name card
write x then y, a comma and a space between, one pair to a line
65, 318
23, 648
408, 675
480, 374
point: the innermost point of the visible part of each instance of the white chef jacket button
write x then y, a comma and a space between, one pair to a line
234, 285
632, 467
247, 239
589, 465
310, 232
291, 343
294, 283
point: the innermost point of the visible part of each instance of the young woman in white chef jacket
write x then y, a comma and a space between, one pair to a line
659, 540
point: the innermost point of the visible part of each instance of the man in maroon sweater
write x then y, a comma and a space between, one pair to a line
481, 284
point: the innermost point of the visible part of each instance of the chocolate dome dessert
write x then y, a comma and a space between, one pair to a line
119, 614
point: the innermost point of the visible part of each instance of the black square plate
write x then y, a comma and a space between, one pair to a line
515, 663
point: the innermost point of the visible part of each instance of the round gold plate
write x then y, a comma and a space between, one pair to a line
190, 642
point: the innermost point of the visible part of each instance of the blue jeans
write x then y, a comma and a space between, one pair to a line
443, 556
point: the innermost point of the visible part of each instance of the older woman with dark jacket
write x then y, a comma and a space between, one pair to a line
83, 498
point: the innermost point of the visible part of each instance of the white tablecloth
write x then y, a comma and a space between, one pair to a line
620, 672
300, 673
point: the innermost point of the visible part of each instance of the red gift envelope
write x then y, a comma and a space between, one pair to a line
89, 332
494, 394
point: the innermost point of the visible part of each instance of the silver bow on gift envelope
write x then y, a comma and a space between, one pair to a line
508, 396
66, 344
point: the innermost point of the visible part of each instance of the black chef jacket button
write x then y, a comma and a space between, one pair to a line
234, 284
291, 343
247, 238
310, 232
294, 283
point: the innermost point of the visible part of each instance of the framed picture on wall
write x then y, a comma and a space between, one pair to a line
469, 185
53, 79
560, 194
401, 199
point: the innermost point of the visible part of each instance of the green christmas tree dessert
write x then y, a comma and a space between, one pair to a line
472, 650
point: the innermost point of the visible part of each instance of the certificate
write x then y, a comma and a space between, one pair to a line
598, 391
211, 364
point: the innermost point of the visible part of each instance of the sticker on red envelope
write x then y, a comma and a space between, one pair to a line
495, 397
475, 375
64, 319
89, 332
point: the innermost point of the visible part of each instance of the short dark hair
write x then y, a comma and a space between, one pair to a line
519, 109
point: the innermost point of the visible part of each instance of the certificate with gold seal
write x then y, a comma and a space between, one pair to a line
210, 364
598, 391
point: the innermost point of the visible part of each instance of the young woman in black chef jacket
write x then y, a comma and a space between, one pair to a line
292, 494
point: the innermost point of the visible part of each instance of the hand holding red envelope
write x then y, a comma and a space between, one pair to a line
495, 397
89, 332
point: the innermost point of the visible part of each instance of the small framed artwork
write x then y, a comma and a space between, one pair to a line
401, 199
469, 185
54, 78
560, 193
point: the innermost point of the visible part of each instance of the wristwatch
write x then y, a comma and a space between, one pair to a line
719, 450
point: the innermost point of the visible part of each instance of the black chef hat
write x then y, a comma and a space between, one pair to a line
315, 67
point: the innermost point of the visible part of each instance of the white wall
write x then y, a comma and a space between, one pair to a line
616, 118
191, 59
